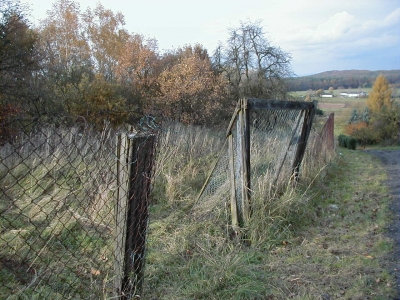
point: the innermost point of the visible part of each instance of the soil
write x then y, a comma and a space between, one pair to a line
391, 161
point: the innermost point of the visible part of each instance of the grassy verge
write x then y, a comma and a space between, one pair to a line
332, 245
322, 239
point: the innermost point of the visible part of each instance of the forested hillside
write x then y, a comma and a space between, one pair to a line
347, 79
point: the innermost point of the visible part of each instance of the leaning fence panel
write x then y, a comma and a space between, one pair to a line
264, 138
58, 213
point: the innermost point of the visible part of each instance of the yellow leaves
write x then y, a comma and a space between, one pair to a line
380, 95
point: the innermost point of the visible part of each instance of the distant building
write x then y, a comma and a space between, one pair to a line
353, 95
326, 95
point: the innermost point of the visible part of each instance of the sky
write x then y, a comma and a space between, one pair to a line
320, 35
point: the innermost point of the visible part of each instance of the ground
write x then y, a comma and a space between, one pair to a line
391, 160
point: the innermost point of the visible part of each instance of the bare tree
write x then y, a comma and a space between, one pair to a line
252, 66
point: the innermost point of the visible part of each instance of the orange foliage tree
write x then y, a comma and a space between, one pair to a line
191, 92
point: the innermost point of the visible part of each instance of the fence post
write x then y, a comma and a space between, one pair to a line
234, 208
135, 161
244, 136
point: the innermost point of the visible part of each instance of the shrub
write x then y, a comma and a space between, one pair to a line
347, 142
352, 128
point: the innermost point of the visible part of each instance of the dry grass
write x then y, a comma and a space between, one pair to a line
322, 238
319, 239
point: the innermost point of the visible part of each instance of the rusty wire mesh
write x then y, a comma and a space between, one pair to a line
325, 145
58, 200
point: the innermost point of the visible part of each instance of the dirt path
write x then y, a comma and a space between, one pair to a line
391, 160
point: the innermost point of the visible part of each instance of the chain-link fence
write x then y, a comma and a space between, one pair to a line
272, 136
321, 146
74, 199
73, 211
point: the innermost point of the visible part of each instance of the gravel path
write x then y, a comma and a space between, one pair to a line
391, 160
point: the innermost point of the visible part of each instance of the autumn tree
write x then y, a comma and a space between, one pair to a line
18, 55
138, 69
18, 62
67, 58
319, 92
107, 39
385, 113
381, 119
98, 100
252, 66
380, 95
191, 92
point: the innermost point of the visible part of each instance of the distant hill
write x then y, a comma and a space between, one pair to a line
348, 79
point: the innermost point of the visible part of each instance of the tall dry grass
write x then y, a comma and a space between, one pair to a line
64, 180
191, 252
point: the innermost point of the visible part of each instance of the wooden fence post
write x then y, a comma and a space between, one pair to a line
244, 148
135, 162
246, 169
234, 208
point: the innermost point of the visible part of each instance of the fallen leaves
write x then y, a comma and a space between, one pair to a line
94, 272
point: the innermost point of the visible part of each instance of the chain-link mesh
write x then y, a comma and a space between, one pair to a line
275, 137
59, 197
322, 145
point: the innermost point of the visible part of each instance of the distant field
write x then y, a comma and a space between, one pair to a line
335, 92
331, 105
341, 107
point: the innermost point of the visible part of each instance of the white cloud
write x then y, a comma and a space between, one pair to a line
345, 36
317, 33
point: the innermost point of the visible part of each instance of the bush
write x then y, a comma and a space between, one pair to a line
347, 142
319, 112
